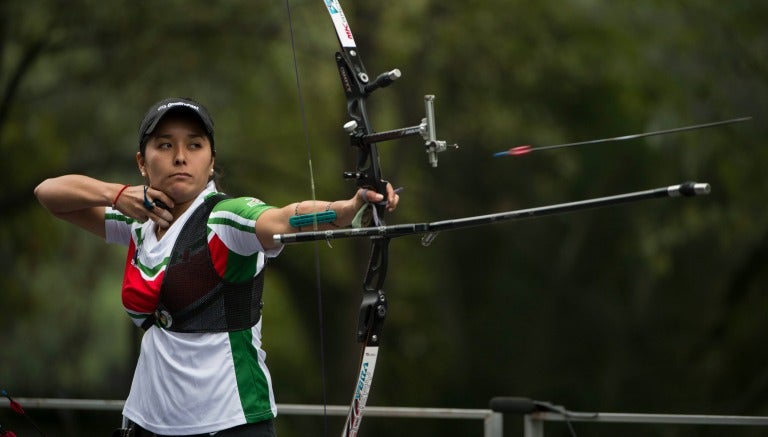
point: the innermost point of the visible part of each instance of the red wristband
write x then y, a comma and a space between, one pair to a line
114, 202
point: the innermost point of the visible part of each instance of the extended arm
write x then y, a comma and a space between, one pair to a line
276, 221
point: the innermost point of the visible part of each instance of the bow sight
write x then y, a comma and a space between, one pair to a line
426, 129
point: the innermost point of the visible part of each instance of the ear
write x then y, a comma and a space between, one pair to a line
140, 161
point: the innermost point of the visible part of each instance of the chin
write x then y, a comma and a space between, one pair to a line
183, 195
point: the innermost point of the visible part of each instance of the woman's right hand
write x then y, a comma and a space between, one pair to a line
132, 203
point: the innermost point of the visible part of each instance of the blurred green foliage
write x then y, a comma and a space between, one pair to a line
652, 307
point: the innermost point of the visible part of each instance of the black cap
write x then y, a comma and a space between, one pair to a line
160, 109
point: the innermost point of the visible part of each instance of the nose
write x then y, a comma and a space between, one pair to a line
179, 156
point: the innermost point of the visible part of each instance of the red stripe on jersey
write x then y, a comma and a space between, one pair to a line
219, 255
139, 295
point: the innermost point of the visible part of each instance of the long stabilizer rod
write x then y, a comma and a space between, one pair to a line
687, 189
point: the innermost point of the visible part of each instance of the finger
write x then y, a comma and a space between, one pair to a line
161, 223
393, 203
377, 197
158, 198
362, 193
373, 196
164, 214
390, 188
160, 216
394, 197
162, 198
390, 193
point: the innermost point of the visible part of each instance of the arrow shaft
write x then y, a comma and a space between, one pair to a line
648, 134
522, 150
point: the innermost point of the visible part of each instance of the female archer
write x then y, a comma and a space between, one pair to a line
193, 274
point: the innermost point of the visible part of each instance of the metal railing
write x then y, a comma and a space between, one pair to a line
533, 423
536, 413
492, 421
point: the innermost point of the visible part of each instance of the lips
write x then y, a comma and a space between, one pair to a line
181, 175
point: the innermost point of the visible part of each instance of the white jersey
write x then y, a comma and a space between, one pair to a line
193, 383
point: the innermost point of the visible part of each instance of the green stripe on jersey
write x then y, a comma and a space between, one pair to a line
252, 384
229, 222
240, 268
248, 208
119, 217
151, 272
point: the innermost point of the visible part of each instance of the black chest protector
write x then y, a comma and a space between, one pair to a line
193, 297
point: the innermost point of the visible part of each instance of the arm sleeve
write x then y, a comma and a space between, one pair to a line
234, 221
117, 227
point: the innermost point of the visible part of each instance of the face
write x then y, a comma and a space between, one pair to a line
178, 159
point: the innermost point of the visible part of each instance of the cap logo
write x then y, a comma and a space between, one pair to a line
171, 105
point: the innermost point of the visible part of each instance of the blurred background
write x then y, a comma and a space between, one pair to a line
652, 307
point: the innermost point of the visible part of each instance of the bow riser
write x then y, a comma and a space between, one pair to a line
353, 77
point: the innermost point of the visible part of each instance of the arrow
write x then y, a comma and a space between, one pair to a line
524, 150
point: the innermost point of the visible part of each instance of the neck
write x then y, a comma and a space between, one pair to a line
177, 210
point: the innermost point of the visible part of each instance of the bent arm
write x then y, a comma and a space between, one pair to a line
78, 199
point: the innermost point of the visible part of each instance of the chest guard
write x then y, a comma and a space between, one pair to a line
193, 297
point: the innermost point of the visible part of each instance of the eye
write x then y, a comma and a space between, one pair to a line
164, 146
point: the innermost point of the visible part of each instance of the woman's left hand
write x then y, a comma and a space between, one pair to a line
364, 194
